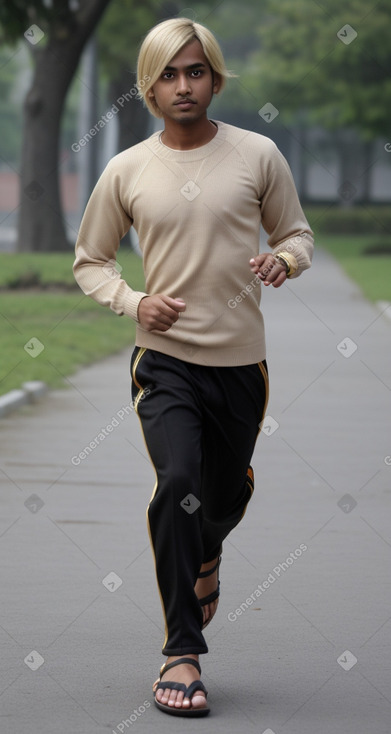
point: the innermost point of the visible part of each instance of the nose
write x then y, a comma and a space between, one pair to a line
183, 85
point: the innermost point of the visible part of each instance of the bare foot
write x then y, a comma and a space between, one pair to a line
205, 586
180, 674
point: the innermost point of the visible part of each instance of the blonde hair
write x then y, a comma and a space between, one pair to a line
163, 42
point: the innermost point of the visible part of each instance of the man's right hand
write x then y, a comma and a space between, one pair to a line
159, 312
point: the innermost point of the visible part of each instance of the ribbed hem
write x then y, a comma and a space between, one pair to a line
229, 356
301, 247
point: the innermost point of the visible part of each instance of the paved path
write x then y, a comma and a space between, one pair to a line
79, 652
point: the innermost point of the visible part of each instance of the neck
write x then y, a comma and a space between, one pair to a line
189, 135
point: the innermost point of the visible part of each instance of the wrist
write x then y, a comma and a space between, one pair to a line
139, 305
289, 261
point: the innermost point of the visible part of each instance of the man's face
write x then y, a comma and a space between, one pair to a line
185, 88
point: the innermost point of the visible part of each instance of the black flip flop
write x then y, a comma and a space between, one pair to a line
189, 691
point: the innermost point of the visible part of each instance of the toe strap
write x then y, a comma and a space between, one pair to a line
189, 692
203, 574
173, 686
197, 685
211, 597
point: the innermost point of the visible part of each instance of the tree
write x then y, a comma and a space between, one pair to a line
328, 64
10, 133
56, 34
118, 47
332, 59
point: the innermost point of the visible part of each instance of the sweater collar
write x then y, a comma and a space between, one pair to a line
163, 151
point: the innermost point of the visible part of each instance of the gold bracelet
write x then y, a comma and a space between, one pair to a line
289, 261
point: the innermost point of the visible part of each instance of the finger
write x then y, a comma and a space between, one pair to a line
266, 270
260, 259
161, 324
164, 319
280, 280
276, 279
255, 265
177, 304
165, 314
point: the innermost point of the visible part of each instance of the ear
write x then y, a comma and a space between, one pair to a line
216, 82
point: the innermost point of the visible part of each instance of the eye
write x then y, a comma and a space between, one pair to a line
197, 73
167, 75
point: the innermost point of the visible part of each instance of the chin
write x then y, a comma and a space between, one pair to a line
187, 120
187, 116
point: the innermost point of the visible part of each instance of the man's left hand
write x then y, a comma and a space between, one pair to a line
268, 269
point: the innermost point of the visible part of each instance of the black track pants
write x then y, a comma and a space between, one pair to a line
200, 425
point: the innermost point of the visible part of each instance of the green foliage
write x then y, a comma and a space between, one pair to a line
237, 34
303, 66
56, 268
121, 32
73, 328
16, 16
49, 268
361, 220
126, 23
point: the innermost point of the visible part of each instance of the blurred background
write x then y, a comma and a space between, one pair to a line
313, 76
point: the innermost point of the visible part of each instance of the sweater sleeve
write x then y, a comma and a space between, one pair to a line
104, 223
282, 216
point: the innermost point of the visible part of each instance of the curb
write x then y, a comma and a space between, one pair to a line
29, 393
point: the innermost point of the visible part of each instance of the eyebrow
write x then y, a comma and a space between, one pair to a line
192, 66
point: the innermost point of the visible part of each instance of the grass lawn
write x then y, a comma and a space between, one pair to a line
73, 329
36, 267
371, 272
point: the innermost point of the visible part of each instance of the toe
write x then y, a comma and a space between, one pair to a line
162, 696
180, 701
198, 701
172, 697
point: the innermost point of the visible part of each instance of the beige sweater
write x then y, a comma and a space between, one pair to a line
198, 215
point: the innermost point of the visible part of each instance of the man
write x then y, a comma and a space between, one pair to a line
197, 194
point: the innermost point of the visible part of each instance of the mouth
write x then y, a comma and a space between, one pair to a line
184, 104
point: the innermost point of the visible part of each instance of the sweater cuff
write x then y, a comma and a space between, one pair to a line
301, 248
131, 304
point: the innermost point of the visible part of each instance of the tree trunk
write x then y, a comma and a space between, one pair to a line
41, 225
134, 120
